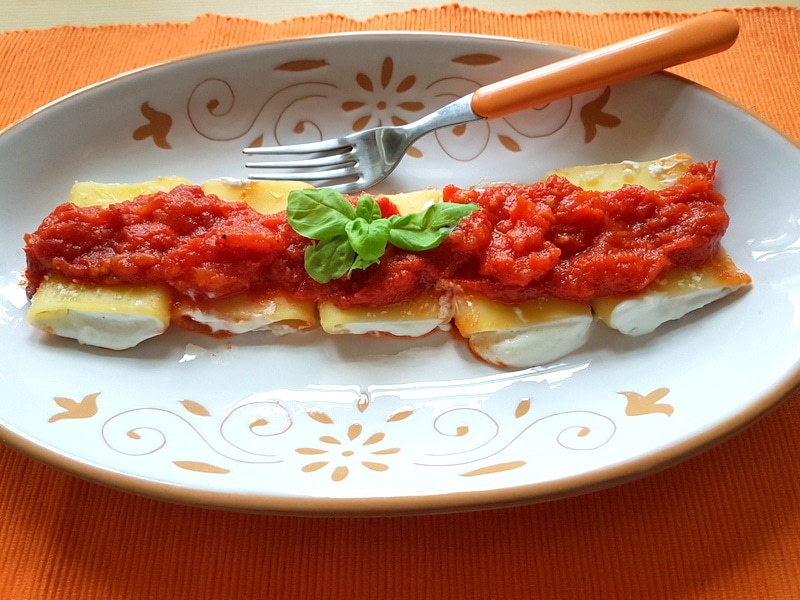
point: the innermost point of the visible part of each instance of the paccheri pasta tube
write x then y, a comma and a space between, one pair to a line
523, 271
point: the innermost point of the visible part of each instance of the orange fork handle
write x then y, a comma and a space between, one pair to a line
687, 40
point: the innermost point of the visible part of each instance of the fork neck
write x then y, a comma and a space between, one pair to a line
455, 113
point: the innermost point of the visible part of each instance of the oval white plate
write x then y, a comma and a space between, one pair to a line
345, 425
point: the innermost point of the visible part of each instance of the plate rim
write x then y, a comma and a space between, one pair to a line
426, 504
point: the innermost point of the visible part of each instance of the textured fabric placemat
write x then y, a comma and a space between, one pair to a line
723, 525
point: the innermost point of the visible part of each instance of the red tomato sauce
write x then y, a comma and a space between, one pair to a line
550, 238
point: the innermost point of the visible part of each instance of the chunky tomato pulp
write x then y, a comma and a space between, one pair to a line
545, 239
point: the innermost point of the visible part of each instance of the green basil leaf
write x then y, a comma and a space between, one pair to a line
329, 259
319, 214
417, 240
368, 239
361, 263
368, 209
427, 229
448, 214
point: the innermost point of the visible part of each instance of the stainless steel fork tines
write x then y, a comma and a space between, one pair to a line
360, 160
356, 161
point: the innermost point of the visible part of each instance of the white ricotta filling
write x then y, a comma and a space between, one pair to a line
642, 315
112, 330
532, 346
400, 328
262, 321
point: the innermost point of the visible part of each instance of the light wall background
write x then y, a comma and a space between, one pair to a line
23, 14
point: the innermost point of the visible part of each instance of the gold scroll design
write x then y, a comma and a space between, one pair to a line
528, 435
382, 95
466, 438
215, 113
195, 440
262, 418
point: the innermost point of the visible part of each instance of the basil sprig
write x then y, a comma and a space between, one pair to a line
355, 237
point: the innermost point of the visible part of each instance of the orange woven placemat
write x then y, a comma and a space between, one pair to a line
723, 525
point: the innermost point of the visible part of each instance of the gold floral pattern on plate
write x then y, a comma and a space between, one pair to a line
383, 94
335, 438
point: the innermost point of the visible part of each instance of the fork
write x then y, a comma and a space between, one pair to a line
360, 160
